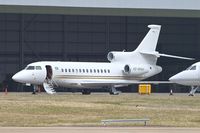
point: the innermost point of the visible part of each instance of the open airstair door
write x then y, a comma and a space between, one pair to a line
48, 83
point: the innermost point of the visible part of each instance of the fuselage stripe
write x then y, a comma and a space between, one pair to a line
97, 77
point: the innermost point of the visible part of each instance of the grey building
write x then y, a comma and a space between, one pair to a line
77, 30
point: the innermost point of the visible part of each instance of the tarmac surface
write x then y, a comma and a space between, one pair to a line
98, 130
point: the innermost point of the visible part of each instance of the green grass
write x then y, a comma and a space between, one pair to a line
67, 109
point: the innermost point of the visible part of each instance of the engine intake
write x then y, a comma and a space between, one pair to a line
110, 56
118, 56
135, 70
127, 69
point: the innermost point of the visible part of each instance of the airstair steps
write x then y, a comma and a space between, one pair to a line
49, 88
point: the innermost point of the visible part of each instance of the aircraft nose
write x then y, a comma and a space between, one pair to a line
176, 77
17, 77
20, 77
172, 78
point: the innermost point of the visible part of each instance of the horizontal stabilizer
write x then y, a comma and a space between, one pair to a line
157, 54
178, 57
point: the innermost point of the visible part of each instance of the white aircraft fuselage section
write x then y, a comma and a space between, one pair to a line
188, 77
85, 74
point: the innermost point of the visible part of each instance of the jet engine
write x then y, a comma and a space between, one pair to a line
118, 56
135, 69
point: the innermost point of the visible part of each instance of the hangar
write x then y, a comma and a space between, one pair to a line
77, 30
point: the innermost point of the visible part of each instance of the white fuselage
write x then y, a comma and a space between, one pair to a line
84, 74
188, 77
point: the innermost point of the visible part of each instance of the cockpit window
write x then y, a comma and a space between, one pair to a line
30, 68
33, 68
193, 68
38, 68
189, 68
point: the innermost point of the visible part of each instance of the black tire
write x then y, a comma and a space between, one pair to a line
86, 92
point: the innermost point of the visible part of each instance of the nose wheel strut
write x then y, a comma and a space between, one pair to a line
193, 90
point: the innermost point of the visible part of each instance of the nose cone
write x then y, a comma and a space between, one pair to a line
182, 78
177, 77
21, 77
17, 77
173, 78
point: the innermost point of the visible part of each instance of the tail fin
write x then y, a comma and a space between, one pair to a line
147, 47
149, 42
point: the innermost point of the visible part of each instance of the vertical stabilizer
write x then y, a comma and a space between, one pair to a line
149, 42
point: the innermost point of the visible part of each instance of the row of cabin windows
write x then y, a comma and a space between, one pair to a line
86, 70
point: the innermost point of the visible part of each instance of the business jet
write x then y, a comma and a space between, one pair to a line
189, 77
123, 68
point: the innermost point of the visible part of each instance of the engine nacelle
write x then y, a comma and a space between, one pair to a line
135, 70
118, 56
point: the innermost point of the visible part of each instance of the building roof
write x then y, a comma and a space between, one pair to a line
158, 8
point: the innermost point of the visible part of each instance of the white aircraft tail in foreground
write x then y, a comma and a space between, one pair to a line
189, 77
123, 69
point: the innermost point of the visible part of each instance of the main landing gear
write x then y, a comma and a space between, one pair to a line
113, 91
193, 90
86, 91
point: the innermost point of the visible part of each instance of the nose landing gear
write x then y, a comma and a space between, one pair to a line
193, 90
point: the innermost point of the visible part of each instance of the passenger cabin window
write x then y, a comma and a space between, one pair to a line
30, 68
193, 68
108, 71
62, 70
65, 70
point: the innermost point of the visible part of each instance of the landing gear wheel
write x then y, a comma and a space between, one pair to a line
191, 95
86, 92
113, 91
